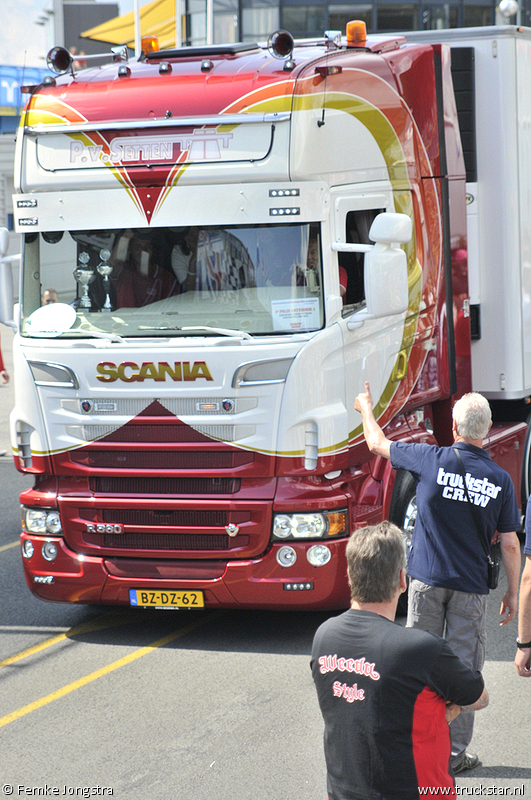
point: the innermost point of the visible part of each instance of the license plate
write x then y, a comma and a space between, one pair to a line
166, 599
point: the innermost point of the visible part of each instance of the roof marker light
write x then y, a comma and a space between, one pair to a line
150, 44
356, 33
324, 71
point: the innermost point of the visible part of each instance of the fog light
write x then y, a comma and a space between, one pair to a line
318, 555
286, 556
27, 549
49, 551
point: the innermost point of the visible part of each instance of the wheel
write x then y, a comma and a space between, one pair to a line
403, 508
403, 513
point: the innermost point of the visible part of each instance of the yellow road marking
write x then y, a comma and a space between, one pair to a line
87, 627
9, 546
71, 687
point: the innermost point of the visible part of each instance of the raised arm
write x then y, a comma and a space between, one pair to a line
377, 442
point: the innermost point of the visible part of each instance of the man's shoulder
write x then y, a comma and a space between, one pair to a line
391, 633
411, 455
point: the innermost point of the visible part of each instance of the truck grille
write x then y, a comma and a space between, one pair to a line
162, 541
169, 518
147, 459
172, 486
158, 434
166, 527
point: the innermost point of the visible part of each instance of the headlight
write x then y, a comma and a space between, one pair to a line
41, 520
310, 526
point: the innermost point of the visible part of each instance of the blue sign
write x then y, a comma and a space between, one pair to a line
12, 101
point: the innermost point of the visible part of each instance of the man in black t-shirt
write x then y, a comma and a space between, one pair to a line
386, 692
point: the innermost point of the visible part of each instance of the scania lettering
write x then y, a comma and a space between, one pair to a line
129, 371
239, 237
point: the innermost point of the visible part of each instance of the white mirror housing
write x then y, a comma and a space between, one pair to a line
389, 228
386, 284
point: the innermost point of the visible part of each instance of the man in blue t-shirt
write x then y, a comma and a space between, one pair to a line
447, 565
523, 654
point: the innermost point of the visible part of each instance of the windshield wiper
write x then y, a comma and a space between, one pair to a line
222, 331
111, 337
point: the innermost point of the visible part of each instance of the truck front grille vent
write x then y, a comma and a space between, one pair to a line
147, 459
159, 434
165, 541
172, 486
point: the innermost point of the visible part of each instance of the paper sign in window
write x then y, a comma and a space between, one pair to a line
296, 314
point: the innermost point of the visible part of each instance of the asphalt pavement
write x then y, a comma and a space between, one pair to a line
7, 393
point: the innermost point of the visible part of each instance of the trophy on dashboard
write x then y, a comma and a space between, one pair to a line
84, 275
105, 270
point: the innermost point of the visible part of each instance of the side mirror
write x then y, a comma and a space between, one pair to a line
391, 228
385, 269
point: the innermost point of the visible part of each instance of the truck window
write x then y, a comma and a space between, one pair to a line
262, 280
357, 224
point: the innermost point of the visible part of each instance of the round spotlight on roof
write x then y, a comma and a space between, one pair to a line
59, 60
280, 44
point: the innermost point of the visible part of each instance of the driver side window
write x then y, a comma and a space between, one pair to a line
357, 224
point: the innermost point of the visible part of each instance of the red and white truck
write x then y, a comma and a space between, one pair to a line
238, 237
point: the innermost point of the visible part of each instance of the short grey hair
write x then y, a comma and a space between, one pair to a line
472, 416
375, 556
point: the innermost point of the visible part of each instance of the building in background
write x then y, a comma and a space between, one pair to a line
64, 21
255, 20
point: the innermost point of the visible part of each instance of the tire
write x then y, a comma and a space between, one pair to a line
403, 513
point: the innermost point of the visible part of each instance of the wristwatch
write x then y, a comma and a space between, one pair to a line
522, 645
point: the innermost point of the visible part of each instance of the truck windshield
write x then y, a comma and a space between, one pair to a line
259, 280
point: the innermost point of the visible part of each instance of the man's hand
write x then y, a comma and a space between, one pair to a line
452, 711
374, 436
363, 401
509, 605
522, 662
